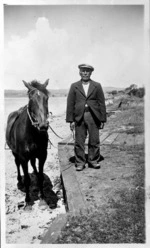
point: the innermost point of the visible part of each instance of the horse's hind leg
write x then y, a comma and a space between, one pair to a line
17, 161
33, 160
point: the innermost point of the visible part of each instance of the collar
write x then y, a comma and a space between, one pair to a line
86, 83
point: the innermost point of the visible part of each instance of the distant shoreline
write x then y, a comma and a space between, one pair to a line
26, 97
53, 93
15, 97
23, 93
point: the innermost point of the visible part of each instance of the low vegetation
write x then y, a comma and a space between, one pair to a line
121, 222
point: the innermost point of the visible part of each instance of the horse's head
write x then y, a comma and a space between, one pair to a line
38, 104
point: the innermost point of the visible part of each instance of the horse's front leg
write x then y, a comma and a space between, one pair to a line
27, 185
42, 160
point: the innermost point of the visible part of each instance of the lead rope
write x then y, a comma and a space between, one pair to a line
54, 132
51, 144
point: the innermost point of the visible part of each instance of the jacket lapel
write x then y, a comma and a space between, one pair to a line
80, 88
91, 88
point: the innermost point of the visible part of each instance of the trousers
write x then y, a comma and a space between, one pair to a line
89, 126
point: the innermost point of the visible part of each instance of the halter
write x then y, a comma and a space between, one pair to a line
34, 123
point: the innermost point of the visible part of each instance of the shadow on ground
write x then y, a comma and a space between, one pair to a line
50, 196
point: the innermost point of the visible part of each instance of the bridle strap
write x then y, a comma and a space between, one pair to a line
33, 90
34, 123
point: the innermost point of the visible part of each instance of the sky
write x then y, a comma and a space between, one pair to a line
50, 41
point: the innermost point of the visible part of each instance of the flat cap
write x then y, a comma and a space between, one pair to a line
86, 66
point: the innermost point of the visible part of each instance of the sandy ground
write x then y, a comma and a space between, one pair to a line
24, 227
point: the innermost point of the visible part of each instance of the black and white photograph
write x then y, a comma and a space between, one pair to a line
75, 128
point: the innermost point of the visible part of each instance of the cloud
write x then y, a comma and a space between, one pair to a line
37, 56
52, 53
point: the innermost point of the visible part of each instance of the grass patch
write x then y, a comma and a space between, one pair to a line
137, 129
131, 118
121, 221
137, 121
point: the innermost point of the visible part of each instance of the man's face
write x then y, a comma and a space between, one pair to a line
85, 74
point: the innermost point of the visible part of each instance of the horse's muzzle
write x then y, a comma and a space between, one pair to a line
43, 126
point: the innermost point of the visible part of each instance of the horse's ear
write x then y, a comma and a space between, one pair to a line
46, 83
27, 85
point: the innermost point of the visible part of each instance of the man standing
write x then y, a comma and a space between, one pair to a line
86, 112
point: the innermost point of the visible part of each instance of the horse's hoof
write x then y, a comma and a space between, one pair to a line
20, 185
43, 205
35, 173
28, 208
52, 205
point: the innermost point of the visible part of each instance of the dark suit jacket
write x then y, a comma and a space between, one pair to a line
77, 99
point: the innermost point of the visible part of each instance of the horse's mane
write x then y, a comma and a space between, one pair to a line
36, 84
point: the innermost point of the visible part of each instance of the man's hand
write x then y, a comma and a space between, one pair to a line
72, 126
101, 125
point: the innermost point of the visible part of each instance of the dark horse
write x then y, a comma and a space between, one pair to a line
27, 136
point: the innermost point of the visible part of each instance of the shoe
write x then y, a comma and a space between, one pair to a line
80, 167
94, 166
